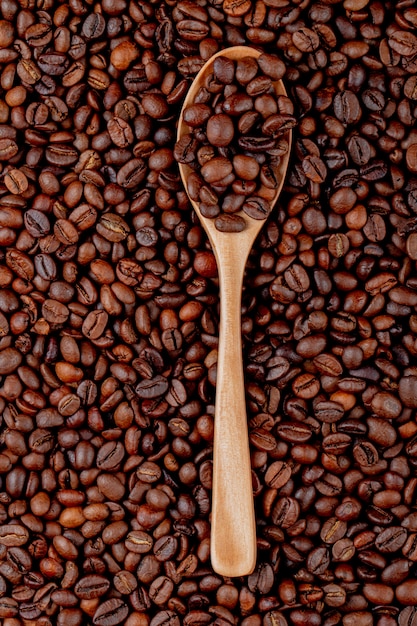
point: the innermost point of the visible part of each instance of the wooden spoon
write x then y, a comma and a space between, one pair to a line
233, 531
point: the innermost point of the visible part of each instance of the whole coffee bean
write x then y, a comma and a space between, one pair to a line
61, 155
257, 208
278, 474
125, 582
138, 542
92, 586
405, 593
285, 512
65, 232
16, 181
407, 387
54, 311
112, 227
391, 539
220, 130
37, 223
13, 535
131, 174
230, 223
111, 612
165, 617
10, 359
8, 149
407, 616
261, 579
160, 590
94, 324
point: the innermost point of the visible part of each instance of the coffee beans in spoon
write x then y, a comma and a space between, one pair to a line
238, 128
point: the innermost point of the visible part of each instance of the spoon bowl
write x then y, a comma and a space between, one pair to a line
233, 531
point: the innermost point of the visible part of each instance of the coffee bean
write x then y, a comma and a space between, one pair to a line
407, 616
407, 386
278, 474
61, 155
219, 130
285, 512
10, 359
112, 227
391, 539
125, 582
94, 324
132, 173
92, 586
13, 535
405, 593
93, 26
16, 181
347, 108
111, 612
230, 223
256, 208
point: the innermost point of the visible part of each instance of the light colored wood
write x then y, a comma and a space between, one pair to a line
233, 530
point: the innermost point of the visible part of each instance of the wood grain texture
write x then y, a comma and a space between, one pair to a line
233, 530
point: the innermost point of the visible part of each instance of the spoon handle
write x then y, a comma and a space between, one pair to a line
233, 532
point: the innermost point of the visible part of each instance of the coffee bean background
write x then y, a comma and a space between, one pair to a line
109, 321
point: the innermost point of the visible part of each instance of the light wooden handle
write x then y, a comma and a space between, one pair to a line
233, 532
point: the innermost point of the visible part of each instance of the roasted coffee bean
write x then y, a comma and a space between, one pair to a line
230, 223
111, 612
92, 586
257, 208
94, 324
13, 535
278, 474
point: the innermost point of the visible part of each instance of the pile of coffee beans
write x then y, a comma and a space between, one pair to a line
239, 125
109, 320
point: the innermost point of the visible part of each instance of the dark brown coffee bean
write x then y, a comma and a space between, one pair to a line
93, 26
65, 232
111, 612
61, 155
257, 208
94, 324
285, 512
16, 181
403, 42
13, 535
407, 388
279, 124
112, 227
152, 388
220, 132
168, 618
347, 108
110, 456
230, 223
132, 173
216, 169
92, 586
391, 539
278, 474
55, 312
408, 616
405, 592
10, 359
